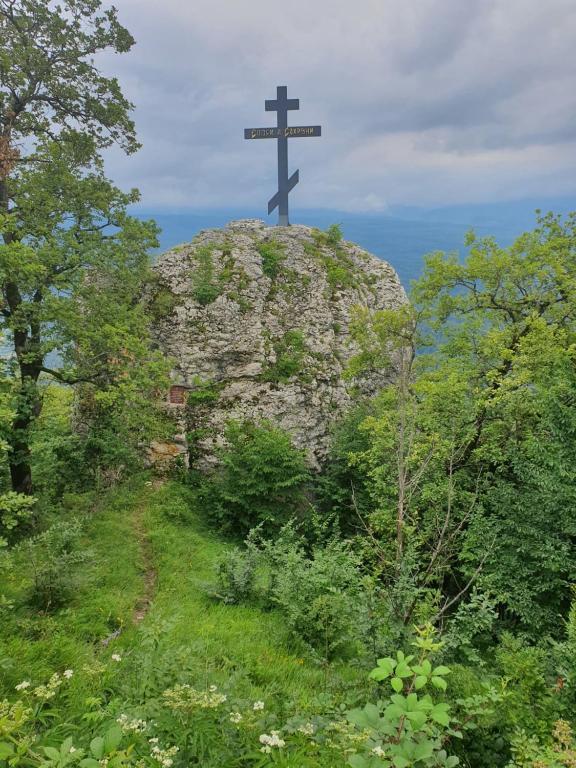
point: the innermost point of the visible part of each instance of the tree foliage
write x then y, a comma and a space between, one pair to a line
471, 460
72, 261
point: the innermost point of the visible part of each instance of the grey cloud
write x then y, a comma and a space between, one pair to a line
420, 100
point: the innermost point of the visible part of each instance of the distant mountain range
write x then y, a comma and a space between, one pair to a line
401, 236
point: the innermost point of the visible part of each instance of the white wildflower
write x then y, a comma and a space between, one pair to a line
378, 752
307, 729
48, 691
154, 740
163, 756
272, 740
184, 698
258, 705
235, 717
23, 685
131, 725
68, 673
116, 657
72, 750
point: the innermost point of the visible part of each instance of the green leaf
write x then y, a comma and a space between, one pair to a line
403, 670
368, 717
394, 712
417, 718
439, 682
400, 761
379, 674
97, 747
441, 671
52, 753
6, 750
420, 681
452, 761
89, 762
423, 669
357, 761
439, 714
424, 750
65, 746
112, 739
387, 664
397, 684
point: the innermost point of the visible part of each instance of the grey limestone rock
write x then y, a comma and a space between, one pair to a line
257, 319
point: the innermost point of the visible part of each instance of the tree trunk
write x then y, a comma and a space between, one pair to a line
25, 340
27, 410
20, 468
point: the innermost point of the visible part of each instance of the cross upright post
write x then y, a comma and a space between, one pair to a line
281, 104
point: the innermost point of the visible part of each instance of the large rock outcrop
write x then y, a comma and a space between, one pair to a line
256, 320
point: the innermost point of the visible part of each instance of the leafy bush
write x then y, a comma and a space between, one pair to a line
273, 255
54, 557
161, 301
16, 510
321, 596
529, 752
322, 593
261, 480
236, 573
407, 728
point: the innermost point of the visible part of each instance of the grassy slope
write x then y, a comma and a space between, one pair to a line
32, 644
186, 636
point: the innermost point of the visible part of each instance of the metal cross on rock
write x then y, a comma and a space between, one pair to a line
281, 104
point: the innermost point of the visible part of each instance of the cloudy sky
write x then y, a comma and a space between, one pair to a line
421, 102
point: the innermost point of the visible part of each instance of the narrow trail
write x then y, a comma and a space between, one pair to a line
150, 574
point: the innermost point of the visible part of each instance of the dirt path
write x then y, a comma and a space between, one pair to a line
150, 575
144, 602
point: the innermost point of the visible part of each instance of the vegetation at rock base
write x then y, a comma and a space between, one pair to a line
410, 604
260, 481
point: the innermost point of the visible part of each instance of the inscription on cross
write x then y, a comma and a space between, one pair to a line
281, 104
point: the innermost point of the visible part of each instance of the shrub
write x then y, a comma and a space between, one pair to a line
321, 592
236, 573
162, 301
261, 480
16, 510
54, 557
528, 752
273, 255
204, 287
321, 596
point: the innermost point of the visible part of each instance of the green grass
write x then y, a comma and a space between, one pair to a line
187, 636
218, 643
33, 644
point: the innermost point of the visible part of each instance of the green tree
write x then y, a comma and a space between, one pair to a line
471, 457
71, 261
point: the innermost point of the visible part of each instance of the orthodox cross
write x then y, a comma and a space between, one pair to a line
281, 104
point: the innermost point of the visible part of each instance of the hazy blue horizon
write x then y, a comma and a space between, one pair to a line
402, 235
